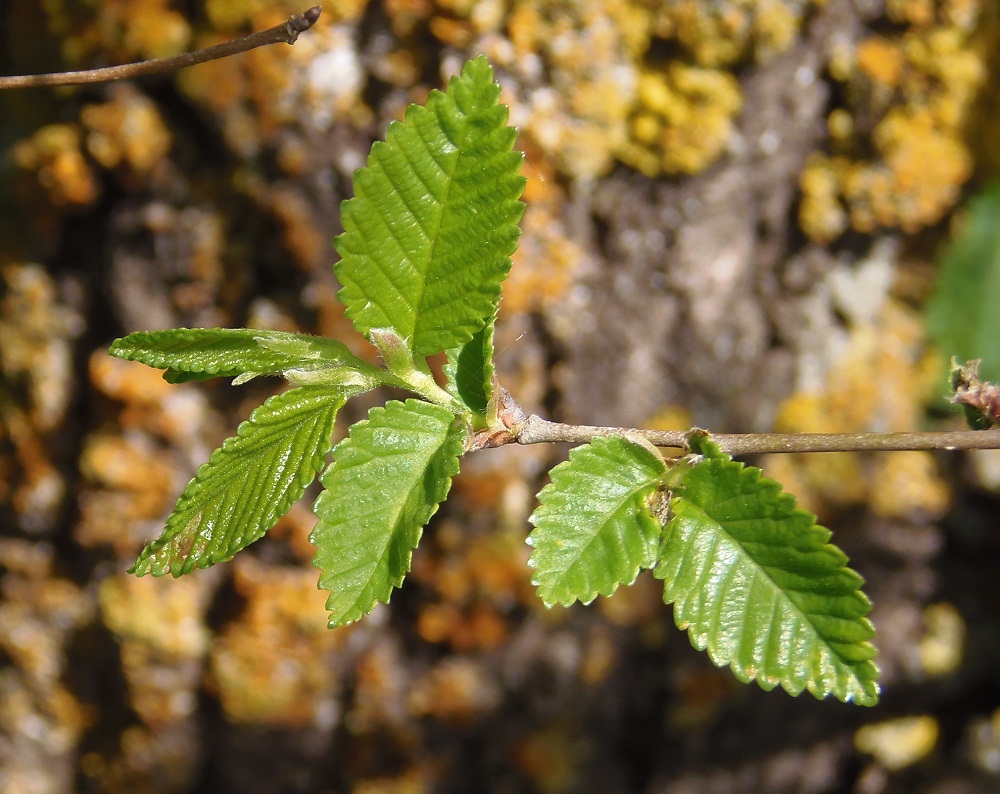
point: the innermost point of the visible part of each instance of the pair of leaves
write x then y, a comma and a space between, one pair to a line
427, 243
752, 578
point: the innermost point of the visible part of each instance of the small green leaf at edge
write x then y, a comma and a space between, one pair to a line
469, 370
755, 582
196, 354
961, 317
386, 481
593, 528
248, 483
429, 233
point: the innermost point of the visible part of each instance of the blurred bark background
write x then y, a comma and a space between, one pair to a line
733, 213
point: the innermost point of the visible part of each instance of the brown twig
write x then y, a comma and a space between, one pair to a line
286, 32
535, 430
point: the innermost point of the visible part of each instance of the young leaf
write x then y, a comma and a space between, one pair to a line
469, 370
755, 581
202, 353
385, 483
961, 316
593, 530
429, 233
248, 483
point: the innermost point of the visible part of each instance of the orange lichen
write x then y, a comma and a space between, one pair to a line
474, 583
456, 690
547, 259
54, 158
271, 666
36, 381
923, 169
168, 411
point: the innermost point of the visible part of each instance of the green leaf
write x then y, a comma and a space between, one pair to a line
593, 529
189, 354
248, 483
961, 316
429, 233
755, 581
469, 370
385, 483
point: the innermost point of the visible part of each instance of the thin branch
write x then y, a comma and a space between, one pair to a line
535, 430
286, 32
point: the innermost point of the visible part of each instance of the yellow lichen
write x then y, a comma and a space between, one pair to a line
684, 119
899, 743
920, 86
821, 214
881, 383
41, 722
907, 484
163, 638
880, 61
580, 118
942, 647
721, 34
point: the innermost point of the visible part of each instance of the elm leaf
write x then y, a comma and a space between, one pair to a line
248, 483
429, 233
386, 481
593, 528
758, 585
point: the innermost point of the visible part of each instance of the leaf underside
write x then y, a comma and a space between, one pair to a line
194, 354
755, 582
386, 481
248, 483
593, 531
429, 233
469, 370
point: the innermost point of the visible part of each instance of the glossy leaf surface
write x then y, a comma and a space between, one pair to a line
384, 484
756, 582
593, 530
248, 483
189, 354
429, 233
